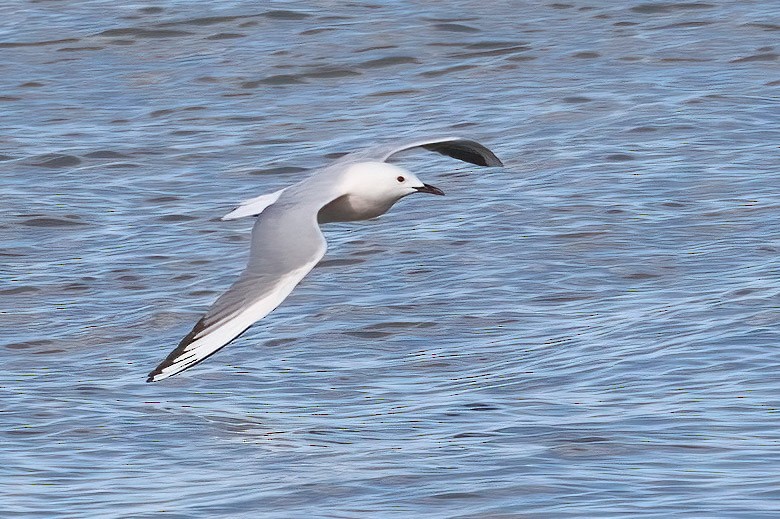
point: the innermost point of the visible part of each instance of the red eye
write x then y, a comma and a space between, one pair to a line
400, 179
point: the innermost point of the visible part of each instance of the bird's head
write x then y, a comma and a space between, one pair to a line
387, 182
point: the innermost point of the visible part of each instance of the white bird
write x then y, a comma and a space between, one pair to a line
287, 242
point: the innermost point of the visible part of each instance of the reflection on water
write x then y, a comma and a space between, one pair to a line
591, 330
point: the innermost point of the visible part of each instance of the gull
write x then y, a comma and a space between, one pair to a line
287, 242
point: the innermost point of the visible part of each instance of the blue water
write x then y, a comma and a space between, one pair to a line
591, 331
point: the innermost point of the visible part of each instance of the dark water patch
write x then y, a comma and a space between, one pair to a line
275, 80
335, 155
560, 6
391, 93
764, 26
586, 54
483, 434
4, 158
641, 275
160, 113
144, 33
31, 84
10, 98
55, 161
457, 495
225, 36
773, 83
454, 27
279, 342
330, 73
576, 99
12, 254
14, 44
625, 24
280, 170
204, 21
311, 32
76, 287
121, 42
765, 56
340, 262
587, 447
684, 25
47, 352
187, 132
151, 10
122, 165
400, 324
376, 47
162, 199
285, 15
19, 290
34, 343
390, 61
448, 70
168, 111
105, 154
478, 406
368, 334
202, 293
52, 222
491, 44
619, 157
128, 277
492, 52
79, 49
521, 58
663, 8
368, 252
448, 19
563, 297
176, 218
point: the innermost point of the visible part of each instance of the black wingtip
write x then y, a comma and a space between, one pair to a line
467, 151
199, 326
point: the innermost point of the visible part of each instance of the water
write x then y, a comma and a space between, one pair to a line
590, 332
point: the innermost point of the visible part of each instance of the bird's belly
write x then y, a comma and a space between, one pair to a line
349, 209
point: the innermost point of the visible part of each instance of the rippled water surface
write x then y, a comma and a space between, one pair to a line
591, 331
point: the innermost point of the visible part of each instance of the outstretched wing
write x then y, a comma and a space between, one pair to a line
455, 147
286, 244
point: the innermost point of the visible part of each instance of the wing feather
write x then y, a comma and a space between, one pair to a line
253, 206
456, 147
286, 245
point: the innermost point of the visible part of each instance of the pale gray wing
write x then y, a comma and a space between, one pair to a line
286, 245
455, 147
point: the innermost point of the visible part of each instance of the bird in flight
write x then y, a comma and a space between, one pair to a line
287, 242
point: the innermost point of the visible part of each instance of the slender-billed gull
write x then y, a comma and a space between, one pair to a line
287, 242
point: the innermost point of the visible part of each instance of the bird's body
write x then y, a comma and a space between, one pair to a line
287, 242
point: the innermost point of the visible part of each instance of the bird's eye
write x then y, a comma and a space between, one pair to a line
400, 179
